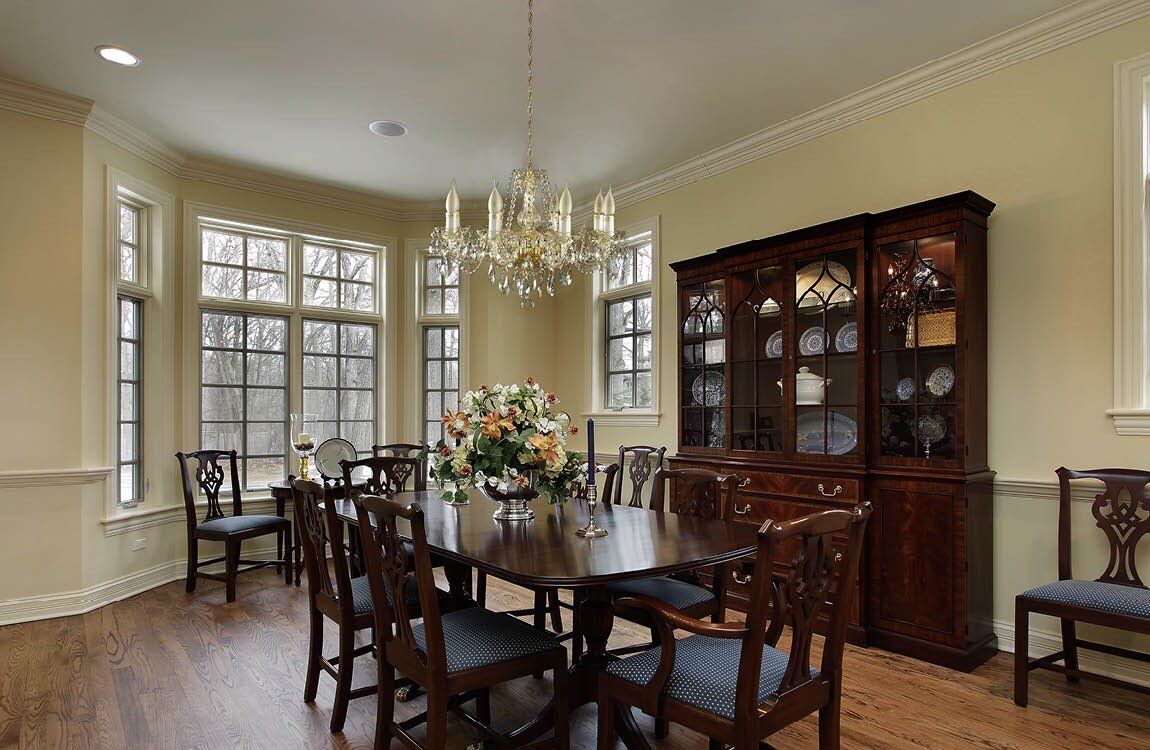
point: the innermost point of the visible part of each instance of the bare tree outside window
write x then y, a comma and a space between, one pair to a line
339, 380
130, 381
239, 265
626, 299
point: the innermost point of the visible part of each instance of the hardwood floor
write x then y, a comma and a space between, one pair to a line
169, 670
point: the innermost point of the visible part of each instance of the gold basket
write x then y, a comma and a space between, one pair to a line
934, 329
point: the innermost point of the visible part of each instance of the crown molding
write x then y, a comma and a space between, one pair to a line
1027, 41
136, 141
39, 101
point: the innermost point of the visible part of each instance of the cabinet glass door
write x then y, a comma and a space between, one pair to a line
757, 343
703, 364
918, 379
826, 384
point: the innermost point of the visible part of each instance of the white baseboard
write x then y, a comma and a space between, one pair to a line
1043, 642
82, 601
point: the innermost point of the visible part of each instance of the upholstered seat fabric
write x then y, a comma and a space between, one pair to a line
678, 594
360, 595
706, 672
1115, 598
236, 524
477, 637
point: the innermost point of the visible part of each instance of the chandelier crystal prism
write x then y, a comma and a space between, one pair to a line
529, 245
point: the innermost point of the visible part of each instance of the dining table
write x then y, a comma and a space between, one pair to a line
545, 553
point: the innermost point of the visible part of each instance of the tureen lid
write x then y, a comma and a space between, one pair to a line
806, 374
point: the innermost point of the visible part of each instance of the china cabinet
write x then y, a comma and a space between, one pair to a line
847, 362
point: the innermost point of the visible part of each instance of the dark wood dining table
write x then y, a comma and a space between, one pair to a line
282, 494
546, 553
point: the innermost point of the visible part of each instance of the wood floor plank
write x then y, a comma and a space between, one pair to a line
172, 671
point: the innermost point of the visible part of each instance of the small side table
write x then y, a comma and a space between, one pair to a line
282, 494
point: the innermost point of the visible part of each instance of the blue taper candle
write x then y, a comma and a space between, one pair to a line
590, 450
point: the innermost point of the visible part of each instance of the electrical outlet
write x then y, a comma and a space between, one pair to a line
139, 544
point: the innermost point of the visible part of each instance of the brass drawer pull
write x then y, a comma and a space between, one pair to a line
744, 511
741, 581
836, 491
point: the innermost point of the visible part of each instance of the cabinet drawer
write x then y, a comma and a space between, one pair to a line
827, 489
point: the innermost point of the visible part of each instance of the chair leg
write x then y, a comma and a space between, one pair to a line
314, 655
483, 706
193, 559
662, 728
606, 733
481, 588
286, 557
1070, 646
713, 744
556, 612
829, 721
279, 550
343, 680
384, 705
436, 720
231, 567
562, 720
1021, 654
539, 618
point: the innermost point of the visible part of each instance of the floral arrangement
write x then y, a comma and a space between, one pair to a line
509, 437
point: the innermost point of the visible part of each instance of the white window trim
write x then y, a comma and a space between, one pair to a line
636, 417
416, 252
383, 317
1131, 412
156, 289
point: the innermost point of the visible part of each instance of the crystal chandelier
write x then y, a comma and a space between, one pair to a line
529, 244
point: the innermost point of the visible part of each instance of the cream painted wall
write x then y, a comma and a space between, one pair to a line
1036, 138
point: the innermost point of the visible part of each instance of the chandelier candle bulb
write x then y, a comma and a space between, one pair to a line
609, 212
494, 211
452, 205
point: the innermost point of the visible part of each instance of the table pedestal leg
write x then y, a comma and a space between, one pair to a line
458, 581
594, 618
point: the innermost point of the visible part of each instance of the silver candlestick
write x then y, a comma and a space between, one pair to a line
591, 531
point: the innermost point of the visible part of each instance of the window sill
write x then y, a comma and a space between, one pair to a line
625, 418
135, 519
1130, 421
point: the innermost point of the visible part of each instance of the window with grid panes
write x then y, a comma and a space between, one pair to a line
242, 265
626, 297
243, 394
440, 377
129, 460
338, 277
339, 380
440, 288
131, 234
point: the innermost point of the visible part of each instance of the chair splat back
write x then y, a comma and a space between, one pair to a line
203, 472
1121, 510
386, 475
385, 558
319, 530
808, 589
694, 492
645, 461
402, 450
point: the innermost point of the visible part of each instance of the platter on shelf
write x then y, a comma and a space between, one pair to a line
905, 389
330, 452
847, 339
840, 430
940, 382
814, 288
931, 429
813, 341
709, 389
775, 345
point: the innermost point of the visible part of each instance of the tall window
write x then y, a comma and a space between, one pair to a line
129, 459
439, 331
339, 379
289, 323
132, 233
626, 300
243, 398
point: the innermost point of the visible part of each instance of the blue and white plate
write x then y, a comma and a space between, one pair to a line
840, 431
775, 345
940, 382
847, 339
905, 389
813, 341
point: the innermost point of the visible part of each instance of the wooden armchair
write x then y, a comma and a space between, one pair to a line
203, 471
455, 657
727, 680
1116, 599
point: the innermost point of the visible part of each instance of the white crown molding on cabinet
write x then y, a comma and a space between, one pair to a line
1044, 34
53, 477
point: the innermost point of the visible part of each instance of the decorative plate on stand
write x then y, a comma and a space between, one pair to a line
940, 382
905, 389
709, 389
329, 453
775, 345
813, 341
847, 339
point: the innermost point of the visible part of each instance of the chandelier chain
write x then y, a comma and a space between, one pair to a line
530, 82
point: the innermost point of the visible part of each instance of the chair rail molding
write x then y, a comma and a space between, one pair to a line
54, 477
145, 518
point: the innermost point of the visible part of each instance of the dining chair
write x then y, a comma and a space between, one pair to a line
456, 657
385, 475
202, 472
403, 450
728, 681
333, 594
642, 461
1116, 599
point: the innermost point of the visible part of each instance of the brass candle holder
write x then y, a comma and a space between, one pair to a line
591, 531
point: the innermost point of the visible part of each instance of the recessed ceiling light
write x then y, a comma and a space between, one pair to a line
117, 55
387, 127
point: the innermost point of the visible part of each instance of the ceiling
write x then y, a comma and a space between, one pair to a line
623, 88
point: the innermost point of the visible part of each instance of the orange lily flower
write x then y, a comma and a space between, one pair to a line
494, 424
547, 446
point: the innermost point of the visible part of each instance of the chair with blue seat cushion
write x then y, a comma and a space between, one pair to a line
203, 473
727, 680
456, 657
1118, 598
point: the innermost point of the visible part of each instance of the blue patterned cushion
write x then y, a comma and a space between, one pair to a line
1106, 597
477, 637
679, 594
360, 595
234, 524
706, 672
